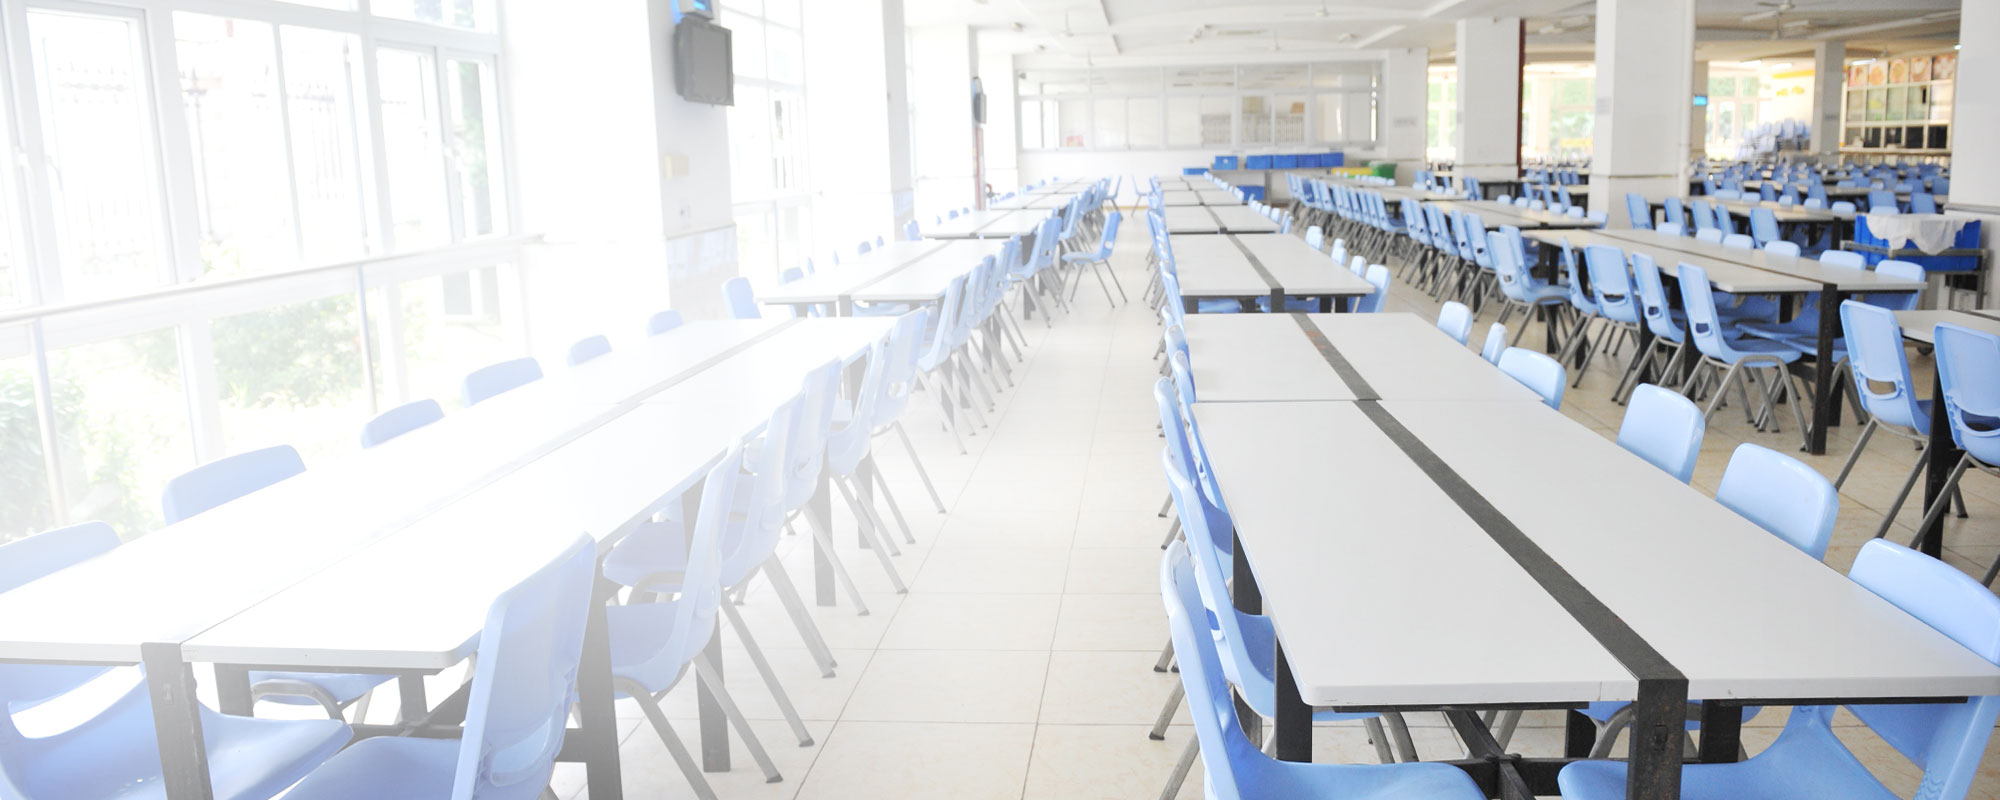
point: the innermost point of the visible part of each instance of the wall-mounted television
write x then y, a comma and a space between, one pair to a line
703, 70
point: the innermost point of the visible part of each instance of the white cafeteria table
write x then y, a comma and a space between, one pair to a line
1268, 265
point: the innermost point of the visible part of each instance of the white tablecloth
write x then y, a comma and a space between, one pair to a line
1931, 233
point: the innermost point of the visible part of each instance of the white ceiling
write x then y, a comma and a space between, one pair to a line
1108, 32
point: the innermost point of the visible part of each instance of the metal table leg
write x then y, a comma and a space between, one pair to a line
176, 722
599, 718
1944, 456
1659, 721
1824, 395
714, 724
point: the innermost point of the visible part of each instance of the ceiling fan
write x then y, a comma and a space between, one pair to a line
1773, 9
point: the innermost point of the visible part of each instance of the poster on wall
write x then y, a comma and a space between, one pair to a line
1878, 74
1944, 67
1920, 70
1857, 75
1899, 71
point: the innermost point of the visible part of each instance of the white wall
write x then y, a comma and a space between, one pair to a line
857, 99
1404, 110
945, 58
996, 71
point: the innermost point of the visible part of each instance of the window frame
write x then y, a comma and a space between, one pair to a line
1165, 94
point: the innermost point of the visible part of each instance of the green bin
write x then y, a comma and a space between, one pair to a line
1384, 169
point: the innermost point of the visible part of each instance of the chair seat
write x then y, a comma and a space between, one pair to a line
385, 766
116, 756
650, 550
343, 688
1416, 781
1764, 347
1085, 258
1807, 762
640, 635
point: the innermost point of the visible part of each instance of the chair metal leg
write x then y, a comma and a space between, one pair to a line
1181, 769
675, 748
1943, 502
1173, 532
1910, 482
922, 474
795, 607
1727, 379
1509, 720
895, 509
824, 539
1166, 661
1380, 739
770, 676
1607, 733
1174, 698
1860, 444
711, 678
1165, 506
1399, 731
879, 538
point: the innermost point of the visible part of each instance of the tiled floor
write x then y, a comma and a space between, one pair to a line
1019, 664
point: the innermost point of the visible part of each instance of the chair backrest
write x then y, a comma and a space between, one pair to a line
1455, 319
484, 383
1740, 241
1842, 207
1611, 282
1638, 211
1704, 215
912, 232
663, 321
1968, 363
1536, 371
1923, 203
747, 543
1763, 225
1897, 301
1882, 201
1378, 276
1653, 301
524, 680
1783, 248
1664, 428
906, 341
1496, 342
1782, 495
226, 479
741, 300
1674, 213
24, 561
864, 247
694, 611
806, 455
400, 420
1216, 728
1670, 229
1710, 235
587, 348
1946, 739
791, 274
847, 446
1315, 237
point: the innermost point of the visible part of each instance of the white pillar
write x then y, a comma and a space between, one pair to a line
1000, 146
1489, 98
1404, 111
946, 59
1640, 142
855, 64
1698, 117
1975, 171
1829, 66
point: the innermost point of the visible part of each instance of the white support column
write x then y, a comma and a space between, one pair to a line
1640, 142
947, 58
855, 65
1001, 146
1829, 66
1405, 95
1489, 98
1975, 171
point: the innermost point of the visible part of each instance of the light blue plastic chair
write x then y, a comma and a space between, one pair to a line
1881, 370
1663, 428
1923, 203
1675, 214
654, 645
1536, 371
1518, 288
847, 449
1378, 277
1638, 211
1782, 495
22, 561
1235, 769
741, 300
1704, 216
1764, 226
1496, 343
226, 479
663, 321
1455, 319
1968, 363
1612, 299
1099, 260
587, 348
1740, 241
1722, 350
517, 711
400, 420
486, 382
1808, 761
911, 232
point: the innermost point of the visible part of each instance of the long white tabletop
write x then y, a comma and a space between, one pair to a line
1042, 201
1198, 197
899, 271
1273, 357
994, 224
1807, 269
1728, 276
1260, 265
1494, 213
1217, 219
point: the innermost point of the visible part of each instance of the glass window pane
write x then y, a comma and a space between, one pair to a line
1142, 121
122, 427
1110, 127
788, 142
453, 324
783, 12
749, 145
1288, 119
794, 234
1074, 117
1256, 119
321, 90
229, 91
1031, 125
103, 164
1330, 123
410, 139
1215, 121
1184, 122
474, 14
26, 506
1051, 137
757, 247
475, 147
292, 375
747, 49
786, 55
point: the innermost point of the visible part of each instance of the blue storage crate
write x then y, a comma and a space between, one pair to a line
1258, 162
1284, 162
1319, 161
1253, 192
1194, 170
1333, 160
1967, 239
1225, 162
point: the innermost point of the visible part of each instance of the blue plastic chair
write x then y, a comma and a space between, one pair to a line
1740, 241
1782, 495
1664, 428
654, 645
663, 321
116, 754
587, 348
911, 232
1882, 201
1638, 211
1923, 203
24, 686
1675, 214
486, 382
1722, 350
517, 711
1235, 768
1704, 216
1764, 226
1808, 761
1518, 288
1455, 319
1100, 260
1968, 363
226, 479
1536, 371
1378, 276
1496, 343
400, 420
741, 301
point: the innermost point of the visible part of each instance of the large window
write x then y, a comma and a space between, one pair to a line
767, 144
1268, 106
1559, 113
1441, 115
155, 143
